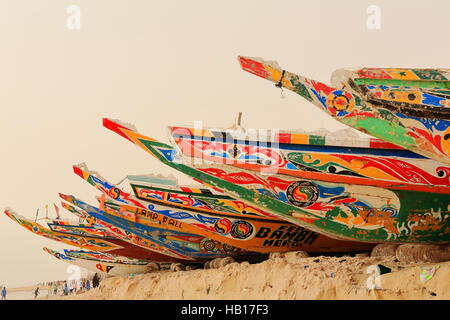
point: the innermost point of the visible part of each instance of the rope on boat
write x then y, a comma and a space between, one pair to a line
280, 83
121, 180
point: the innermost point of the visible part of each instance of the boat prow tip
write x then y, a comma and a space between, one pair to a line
63, 196
77, 170
117, 126
258, 66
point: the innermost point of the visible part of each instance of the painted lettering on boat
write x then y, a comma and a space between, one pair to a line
286, 236
155, 216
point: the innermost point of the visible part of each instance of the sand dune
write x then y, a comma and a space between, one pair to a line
288, 276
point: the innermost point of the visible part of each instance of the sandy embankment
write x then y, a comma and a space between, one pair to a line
288, 277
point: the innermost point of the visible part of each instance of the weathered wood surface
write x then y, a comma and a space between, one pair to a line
345, 211
95, 243
225, 220
114, 267
330, 158
167, 238
415, 118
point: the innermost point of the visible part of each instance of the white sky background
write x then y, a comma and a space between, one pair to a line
159, 63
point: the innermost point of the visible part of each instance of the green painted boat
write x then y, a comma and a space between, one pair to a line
391, 104
397, 215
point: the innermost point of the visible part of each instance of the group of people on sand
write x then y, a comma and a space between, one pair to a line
68, 287
82, 285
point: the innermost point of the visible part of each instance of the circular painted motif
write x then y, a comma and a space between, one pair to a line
241, 229
302, 193
445, 142
223, 226
207, 245
226, 248
392, 211
442, 172
341, 102
114, 193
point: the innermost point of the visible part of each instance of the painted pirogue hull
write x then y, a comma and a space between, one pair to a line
412, 118
100, 266
409, 78
365, 161
110, 245
173, 242
361, 213
82, 229
247, 231
189, 196
356, 206
244, 186
123, 234
103, 257
271, 238
86, 242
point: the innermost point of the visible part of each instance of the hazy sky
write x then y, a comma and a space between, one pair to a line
159, 63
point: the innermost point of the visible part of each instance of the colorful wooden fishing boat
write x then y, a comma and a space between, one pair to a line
246, 230
82, 229
85, 242
103, 256
122, 224
120, 233
101, 263
416, 118
365, 161
110, 245
145, 187
344, 211
178, 244
214, 199
433, 81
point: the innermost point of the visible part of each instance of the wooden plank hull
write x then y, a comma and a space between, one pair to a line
246, 230
173, 242
429, 79
206, 199
82, 229
111, 268
362, 213
109, 245
104, 257
421, 125
135, 240
364, 161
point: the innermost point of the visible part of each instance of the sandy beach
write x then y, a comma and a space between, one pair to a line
289, 277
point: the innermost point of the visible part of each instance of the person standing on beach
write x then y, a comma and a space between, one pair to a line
88, 285
36, 292
4, 293
95, 281
66, 289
